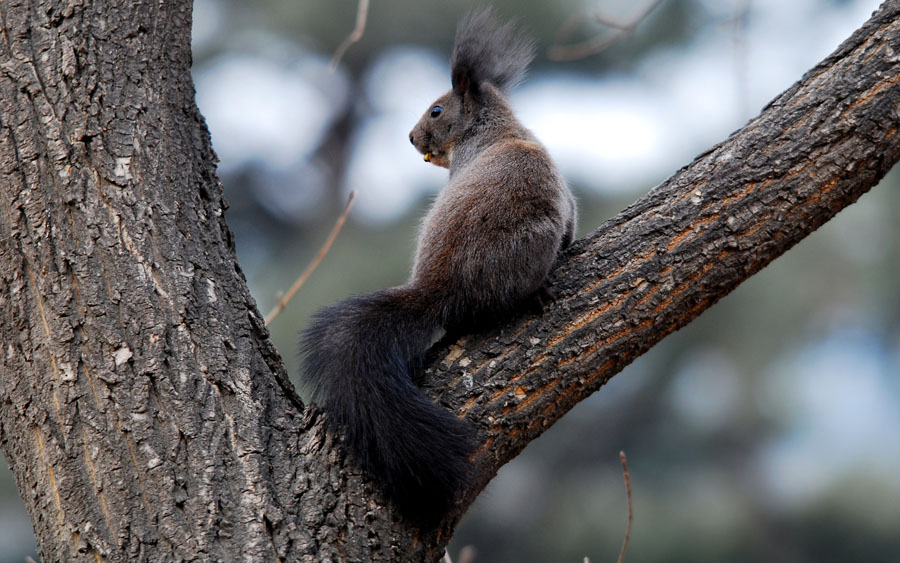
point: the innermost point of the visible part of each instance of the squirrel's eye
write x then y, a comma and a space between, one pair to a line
436, 111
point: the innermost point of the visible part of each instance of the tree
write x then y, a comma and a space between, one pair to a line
143, 409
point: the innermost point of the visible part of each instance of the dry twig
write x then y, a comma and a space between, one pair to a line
282, 303
630, 509
362, 11
597, 44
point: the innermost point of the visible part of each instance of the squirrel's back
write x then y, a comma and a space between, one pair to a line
494, 231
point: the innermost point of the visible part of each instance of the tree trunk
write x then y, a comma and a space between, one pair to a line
143, 410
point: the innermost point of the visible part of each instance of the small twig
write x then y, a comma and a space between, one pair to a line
597, 44
283, 301
629, 25
362, 11
630, 509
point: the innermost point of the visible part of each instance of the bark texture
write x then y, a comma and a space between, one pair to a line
143, 410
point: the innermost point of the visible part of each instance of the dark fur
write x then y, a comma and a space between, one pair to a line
486, 246
359, 357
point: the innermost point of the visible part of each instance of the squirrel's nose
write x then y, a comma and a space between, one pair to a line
411, 139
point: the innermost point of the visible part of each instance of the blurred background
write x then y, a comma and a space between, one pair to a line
767, 430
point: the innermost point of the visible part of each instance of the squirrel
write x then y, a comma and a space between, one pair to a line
486, 245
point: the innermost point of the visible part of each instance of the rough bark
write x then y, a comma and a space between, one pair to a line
143, 410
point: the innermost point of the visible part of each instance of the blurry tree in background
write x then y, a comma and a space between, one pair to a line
765, 430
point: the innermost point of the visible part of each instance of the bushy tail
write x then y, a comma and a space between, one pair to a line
487, 50
359, 358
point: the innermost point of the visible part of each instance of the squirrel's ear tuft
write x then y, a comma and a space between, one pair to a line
487, 50
461, 79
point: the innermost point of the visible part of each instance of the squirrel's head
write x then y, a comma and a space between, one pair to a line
489, 58
441, 127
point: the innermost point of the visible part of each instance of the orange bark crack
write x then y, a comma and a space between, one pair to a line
571, 388
647, 297
536, 395
692, 229
870, 94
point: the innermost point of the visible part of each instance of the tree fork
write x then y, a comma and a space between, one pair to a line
143, 408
